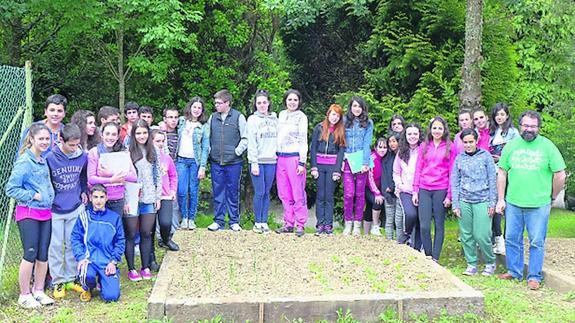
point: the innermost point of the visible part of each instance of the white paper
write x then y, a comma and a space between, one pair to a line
116, 162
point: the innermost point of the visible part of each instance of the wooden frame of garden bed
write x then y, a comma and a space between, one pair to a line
364, 307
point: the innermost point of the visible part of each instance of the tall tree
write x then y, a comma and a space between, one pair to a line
470, 95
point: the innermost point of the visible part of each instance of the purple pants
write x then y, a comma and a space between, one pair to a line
353, 188
291, 190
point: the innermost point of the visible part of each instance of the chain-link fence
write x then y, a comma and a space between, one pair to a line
15, 115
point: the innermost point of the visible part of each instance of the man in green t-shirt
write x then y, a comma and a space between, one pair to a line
533, 171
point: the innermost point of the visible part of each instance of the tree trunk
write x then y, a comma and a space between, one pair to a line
13, 41
121, 74
470, 95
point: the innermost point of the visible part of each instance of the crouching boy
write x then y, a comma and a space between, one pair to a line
98, 244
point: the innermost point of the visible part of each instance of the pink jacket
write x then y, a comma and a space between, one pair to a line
403, 173
374, 175
457, 144
433, 167
484, 138
115, 191
169, 176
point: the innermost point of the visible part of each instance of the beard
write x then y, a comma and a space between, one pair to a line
528, 135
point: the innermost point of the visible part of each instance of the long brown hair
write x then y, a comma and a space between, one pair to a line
80, 118
32, 132
135, 152
445, 137
339, 131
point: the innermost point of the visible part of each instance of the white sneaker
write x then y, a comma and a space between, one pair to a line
235, 227
214, 227
347, 228
356, 228
258, 228
265, 228
191, 225
375, 230
184, 225
28, 301
42, 298
499, 248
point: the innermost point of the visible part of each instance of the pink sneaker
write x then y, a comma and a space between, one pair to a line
146, 273
134, 276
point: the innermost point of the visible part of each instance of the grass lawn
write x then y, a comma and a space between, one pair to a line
504, 300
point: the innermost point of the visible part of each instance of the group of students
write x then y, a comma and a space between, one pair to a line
412, 176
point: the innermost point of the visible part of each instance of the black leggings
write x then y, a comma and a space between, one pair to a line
35, 236
496, 225
410, 222
370, 205
431, 207
165, 214
146, 223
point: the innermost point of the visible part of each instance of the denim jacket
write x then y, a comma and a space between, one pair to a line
358, 138
201, 139
30, 176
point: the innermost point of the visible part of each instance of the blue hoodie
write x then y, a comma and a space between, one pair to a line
69, 178
98, 236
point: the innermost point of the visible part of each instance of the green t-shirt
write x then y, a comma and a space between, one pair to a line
530, 167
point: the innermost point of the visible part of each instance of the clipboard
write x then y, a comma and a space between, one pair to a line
355, 161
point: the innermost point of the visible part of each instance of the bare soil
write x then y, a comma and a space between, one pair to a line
245, 264
560, 255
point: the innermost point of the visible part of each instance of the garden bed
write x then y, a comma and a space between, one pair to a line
246, 276
560, 255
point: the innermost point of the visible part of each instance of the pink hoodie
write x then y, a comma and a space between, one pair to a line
169, 176
484, 137
433, 168
403, 172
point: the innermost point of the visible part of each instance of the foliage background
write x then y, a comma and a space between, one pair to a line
402, 56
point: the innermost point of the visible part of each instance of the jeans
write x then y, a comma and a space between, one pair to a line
535, 220
262, 185
188, 186
226, 190
431, 206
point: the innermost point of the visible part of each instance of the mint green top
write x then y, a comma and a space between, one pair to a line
530, 167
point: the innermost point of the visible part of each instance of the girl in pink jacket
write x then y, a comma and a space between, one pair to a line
403, 175
431, 190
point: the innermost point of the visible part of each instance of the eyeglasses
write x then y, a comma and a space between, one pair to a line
220, 102
529, 126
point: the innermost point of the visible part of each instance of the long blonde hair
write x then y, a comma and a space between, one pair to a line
32, 132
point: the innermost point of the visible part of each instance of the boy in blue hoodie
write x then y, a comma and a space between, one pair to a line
67, 162
98, 244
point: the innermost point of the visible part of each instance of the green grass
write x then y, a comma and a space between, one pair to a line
505, 301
